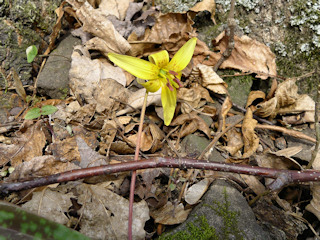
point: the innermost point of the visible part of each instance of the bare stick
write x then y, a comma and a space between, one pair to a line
134, 174
286, 176
230, 38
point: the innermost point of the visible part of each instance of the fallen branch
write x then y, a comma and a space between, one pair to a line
283, 177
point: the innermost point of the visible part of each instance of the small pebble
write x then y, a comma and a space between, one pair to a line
281, 143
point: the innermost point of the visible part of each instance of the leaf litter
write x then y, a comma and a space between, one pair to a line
99, 121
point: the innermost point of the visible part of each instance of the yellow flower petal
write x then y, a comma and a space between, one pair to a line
182, 58
169, 100
151, 85
136, 66
161, 59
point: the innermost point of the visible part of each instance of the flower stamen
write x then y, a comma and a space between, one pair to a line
169, 85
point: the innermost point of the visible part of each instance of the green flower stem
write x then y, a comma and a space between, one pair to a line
136, 156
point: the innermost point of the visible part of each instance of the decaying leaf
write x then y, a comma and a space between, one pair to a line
254, 184
209, 79
92, 81
196, 191
191, 98
278, 161
26, 145
108, 213
253, 96
95, 21
50, 204
193, 123
226, 106
287, 100
206, 5
136, 100
250, 139
248, 55
40, 166
234, 142
150, 139
170, 214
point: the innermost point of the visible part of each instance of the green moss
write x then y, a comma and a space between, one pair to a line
201, 230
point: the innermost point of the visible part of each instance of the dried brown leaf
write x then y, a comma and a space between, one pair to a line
170, 214
25, 147
205, 5
96, 22
234, 142
253, 96
108, 213
39, 167
192, 97
250, 139
248, 55
210, 79
193, 123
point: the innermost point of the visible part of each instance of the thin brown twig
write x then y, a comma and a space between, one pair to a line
230, 37
286, 176
136, 156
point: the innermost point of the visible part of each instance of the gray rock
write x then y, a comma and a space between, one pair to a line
218, 205
307, 146
24, 23
54, 79
193, 145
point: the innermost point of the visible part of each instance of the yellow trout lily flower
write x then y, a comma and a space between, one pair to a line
159, 73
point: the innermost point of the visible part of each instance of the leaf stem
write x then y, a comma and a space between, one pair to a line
136, 156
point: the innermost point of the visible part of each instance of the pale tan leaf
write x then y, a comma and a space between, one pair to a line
254, 184
211, 80
196, 191
170, 214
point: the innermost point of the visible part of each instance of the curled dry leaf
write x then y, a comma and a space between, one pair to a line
206, 5
248, 55
150, 139
234, 142
170, 214
209, 79
253, 96
226, 106
193, 123
287, 100
250, 139
96, 22
192, 97
196, 191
